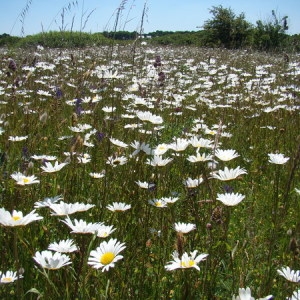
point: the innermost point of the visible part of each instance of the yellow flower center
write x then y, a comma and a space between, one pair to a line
107, 258
25, 180
16, 218
6, 279
188, 264
158, 203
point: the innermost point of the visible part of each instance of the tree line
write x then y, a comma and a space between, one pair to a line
227, 30
224, 29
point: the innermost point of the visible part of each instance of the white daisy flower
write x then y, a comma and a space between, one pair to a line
104, 231
184, 227
148, 116
179, 145
22, 179
210, 131
17, 218
201, 142
199, 157
47, 201
169, 200
84, 158
106, 255
44, 157
116, 161
228, 174
80, 127
157, 160
226, 155
97, 175
53, 261
118, 143
17, 138
158, 203
186, 261
295, 296
9, 277
63, 209
245, 294
133, 126
63, 246
161, 149
49, 168
290, 275
230, 199
108, 109
80, 226
192, 183
277, 158
145, 184
118, 206
140, 147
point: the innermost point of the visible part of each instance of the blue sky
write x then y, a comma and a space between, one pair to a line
167, 15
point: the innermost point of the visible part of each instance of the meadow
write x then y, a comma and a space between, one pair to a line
139, 172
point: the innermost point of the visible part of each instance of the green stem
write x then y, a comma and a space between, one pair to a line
51, 283
17, 262
295, 164
81, 271
275, 226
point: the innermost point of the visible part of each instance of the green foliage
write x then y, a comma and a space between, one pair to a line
247, 101
121, 35
158, 33
271, 35
7, 40
63, 39
226, 29
177, 38
293, 43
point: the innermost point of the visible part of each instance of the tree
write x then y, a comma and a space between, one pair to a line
226, 29
271, 34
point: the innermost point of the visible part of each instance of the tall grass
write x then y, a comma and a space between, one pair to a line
244, 101
23, 15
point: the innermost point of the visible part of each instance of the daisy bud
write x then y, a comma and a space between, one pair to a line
21, 271
30, 165
74, 119
208, 226
44, 117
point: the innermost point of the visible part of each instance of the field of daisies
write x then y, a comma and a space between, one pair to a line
140, 172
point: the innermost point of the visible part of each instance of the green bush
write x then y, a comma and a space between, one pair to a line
63, 39
178, 38
8, 40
